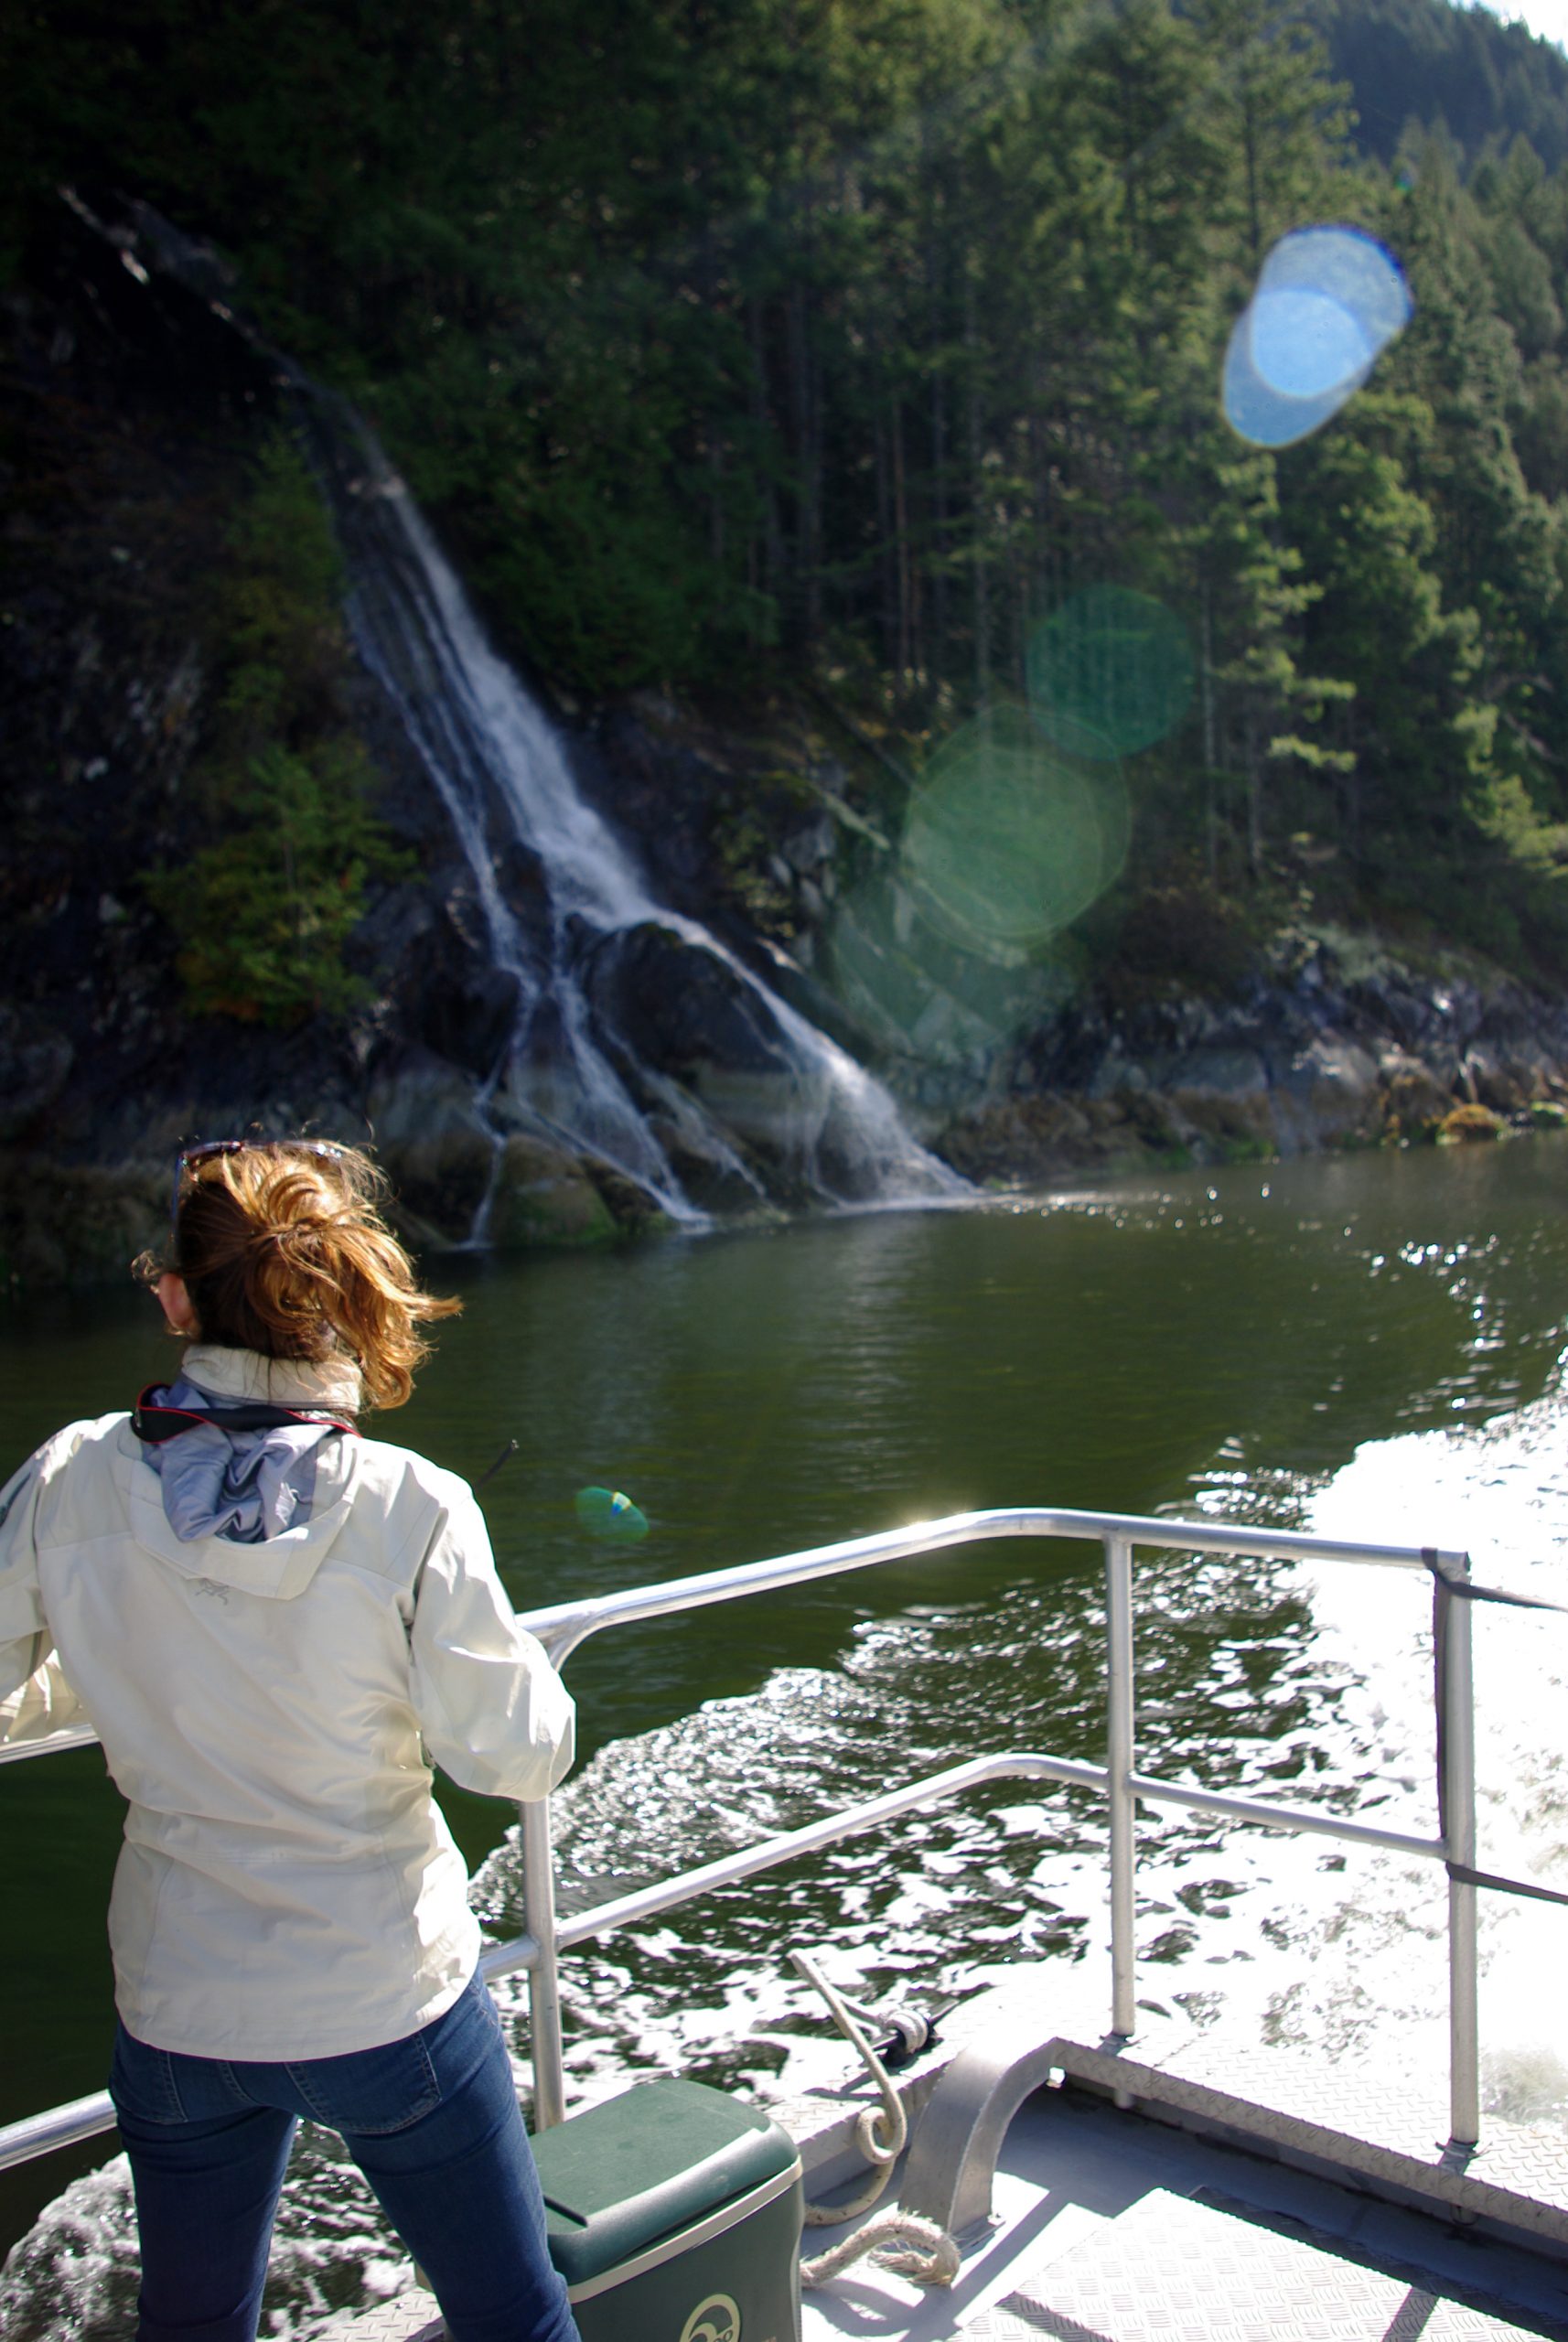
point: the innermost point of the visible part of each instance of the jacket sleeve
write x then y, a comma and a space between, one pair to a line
493, 1712
41, 1706
26, 1641
36, 1699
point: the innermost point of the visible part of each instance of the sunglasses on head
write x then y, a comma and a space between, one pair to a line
190, 1157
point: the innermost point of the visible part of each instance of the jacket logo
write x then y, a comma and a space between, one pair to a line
213, 1593
716, 2320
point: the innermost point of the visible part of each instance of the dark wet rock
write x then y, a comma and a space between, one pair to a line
432, 1142
74, 1224
35, 1061
1328, 1095
1415, 1097
680, 1008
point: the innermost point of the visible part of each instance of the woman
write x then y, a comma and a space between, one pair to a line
264, 1615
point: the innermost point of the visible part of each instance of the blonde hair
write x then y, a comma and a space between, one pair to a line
284, 1250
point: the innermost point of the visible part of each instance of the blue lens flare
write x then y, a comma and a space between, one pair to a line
1327, 302
1304, 344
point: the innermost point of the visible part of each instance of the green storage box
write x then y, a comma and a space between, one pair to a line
674, 2216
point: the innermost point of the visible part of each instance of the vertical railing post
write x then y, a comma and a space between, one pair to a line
1119, 1761
1456, 1692
544, 1982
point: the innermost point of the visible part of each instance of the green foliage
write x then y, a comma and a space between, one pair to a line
262, 913
1176, 938
1425, 60
863, 335
266, 901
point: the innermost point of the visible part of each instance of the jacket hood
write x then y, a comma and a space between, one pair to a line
279, 1568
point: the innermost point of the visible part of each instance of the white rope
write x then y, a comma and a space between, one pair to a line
928, 2255
903, 2241
880, 2133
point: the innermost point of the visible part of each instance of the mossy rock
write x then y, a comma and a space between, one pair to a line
1228, 1129
1416, 1103
543, 1196
441, 1179
1467, 1125
1546, 1114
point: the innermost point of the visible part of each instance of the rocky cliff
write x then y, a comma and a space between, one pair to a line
130, 419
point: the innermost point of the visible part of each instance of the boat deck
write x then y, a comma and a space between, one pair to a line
1235, 2196
1112, 2226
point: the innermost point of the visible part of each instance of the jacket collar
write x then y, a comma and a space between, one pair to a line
333, 1384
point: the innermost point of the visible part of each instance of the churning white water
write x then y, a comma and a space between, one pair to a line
503, 775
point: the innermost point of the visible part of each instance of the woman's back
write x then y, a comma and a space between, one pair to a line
259, 1707
275, 1625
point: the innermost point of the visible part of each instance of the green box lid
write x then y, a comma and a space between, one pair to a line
646, 2165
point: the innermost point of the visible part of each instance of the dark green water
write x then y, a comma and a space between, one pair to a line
1227, 1338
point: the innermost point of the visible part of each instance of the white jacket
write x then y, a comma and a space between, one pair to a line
288, 1887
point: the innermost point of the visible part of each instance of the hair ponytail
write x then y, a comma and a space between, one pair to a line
284, 1250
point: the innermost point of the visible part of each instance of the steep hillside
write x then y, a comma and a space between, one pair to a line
784, 437
1420, 60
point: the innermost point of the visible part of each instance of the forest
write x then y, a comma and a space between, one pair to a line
841, 343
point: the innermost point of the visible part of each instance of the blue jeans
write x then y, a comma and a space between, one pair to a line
432, 2122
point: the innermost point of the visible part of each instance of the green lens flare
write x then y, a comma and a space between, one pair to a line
1006, 842
919, 994
1109, 673
607, 1514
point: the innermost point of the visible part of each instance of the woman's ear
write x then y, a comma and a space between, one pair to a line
179, 1313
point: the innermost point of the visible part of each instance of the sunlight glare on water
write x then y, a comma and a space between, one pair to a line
1501, 1492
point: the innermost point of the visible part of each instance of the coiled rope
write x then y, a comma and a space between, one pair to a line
903, 2241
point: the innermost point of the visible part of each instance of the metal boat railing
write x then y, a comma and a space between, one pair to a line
565, 1626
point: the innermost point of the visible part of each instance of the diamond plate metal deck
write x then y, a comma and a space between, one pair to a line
409, 2316
1173, 2271
1381, 2128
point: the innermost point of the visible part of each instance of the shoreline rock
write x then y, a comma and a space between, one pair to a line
1337, 1045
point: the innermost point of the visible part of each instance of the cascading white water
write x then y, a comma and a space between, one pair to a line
565, 1073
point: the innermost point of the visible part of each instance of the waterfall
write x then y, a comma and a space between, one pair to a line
787, 1115
791, 1114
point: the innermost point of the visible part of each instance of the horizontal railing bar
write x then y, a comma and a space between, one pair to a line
563, 1624
729, 1868
521, 1952
644, 1901
62, 2126
506, 1959
1282, 1817
76, 1735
